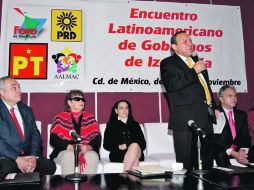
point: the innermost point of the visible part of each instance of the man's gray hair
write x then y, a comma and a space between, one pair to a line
223, 88
2, 79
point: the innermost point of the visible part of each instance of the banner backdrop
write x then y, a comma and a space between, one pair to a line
115, 46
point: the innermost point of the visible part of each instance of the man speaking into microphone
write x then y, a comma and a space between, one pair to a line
189, 94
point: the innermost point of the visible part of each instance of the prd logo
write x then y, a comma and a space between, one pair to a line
30, 27
66, 25
66, 61
28, 61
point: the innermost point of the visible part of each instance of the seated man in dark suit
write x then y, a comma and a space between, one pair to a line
233, 140
20, 140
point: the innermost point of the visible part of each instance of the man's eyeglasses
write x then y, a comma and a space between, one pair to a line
77, 99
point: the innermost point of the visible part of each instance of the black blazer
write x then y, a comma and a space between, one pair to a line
225, 139
117, 133
186, 96
11, 145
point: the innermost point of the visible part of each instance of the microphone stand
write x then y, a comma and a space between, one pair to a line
200, 171
76, 177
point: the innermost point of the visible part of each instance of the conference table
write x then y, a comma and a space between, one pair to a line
113, 181
127, 181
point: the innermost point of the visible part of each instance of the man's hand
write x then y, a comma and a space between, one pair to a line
199, 66
240, 156
26, 164
122, 146
23, 163
31, 163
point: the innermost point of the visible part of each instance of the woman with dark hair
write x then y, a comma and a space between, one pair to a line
123, 136
75, 118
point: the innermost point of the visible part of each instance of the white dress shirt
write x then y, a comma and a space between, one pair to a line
18, 115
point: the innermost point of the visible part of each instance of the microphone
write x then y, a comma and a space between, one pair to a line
195, 56
75, 135
193, 125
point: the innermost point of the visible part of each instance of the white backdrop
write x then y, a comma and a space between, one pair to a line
118, 45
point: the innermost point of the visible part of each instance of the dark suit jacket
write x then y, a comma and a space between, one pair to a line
186, 96
10, 140
225, 139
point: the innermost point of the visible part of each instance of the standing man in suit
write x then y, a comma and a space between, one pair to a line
186, 81
235, 134
20, 140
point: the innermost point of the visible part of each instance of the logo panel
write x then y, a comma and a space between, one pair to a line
67, 64
28, 61
66, 25
30, 27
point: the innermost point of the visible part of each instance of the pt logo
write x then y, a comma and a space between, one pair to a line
30, 27
66, 61
28, 61
66, 25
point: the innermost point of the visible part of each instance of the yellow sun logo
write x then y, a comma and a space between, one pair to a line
66, 21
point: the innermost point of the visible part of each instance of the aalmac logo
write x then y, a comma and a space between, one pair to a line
28, 61
30, 27
66, 64
66, 25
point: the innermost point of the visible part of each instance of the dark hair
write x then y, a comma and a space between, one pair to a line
70, 95
114, 116
173, 39
223, 88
